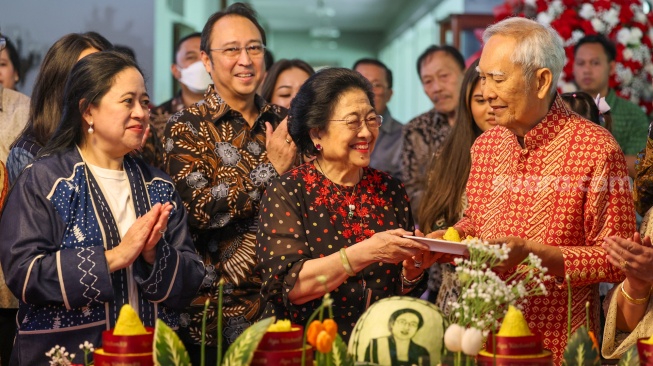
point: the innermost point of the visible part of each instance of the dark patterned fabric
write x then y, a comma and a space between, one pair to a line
220, 167
423, 136
303, 217
643, 192
160, 115
57, 233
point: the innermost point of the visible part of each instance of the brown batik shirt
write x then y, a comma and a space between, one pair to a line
220, 167
423, 136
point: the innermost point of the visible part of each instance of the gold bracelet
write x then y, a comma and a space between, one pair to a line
345, 263
411, 283
632, 300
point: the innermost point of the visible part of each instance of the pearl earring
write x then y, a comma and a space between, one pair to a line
90, 127
318, 147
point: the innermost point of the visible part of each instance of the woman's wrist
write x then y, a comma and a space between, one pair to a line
636, 292
412, 274
356, 256
114, 260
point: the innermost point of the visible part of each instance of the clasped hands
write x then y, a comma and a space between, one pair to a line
141, 238
634, 256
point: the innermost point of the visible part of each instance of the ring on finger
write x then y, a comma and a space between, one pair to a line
417, 264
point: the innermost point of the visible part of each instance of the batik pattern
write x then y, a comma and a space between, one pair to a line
220, 167
568, 187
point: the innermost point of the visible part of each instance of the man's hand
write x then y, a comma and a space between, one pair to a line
280, 147
519, 250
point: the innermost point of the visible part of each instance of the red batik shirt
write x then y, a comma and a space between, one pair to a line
568, 188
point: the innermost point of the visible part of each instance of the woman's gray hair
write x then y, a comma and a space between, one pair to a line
538, 46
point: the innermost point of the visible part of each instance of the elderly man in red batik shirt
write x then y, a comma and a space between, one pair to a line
545, 181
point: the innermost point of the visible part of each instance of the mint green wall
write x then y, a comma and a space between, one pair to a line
196, 12
350, 47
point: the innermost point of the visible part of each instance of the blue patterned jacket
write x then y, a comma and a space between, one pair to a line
55, 229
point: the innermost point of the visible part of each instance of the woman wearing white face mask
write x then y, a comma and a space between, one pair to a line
193, 80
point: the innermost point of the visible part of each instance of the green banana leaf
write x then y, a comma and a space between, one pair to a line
168, 349
241, 352
581, 350
630, 358
339, 355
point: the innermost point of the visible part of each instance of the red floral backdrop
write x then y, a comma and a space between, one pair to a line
623, 21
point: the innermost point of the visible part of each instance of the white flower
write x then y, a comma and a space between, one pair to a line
567, 87
628, 54
598, 25
587, 11
453, 337
635, 36
639, 17
611, 17
544, 18
556, 6
472, 341
623, 36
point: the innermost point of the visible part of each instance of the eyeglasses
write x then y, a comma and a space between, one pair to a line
356, 124
378, 86
231, 52
404, 323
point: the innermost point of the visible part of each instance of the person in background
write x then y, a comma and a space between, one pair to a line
387, 152
335, 216
283, 81
14, 106
10, 74
8, 303
187, 68
545, 181
14, 109
268, 57
583, 104
594, 62
222, 153
440, 69
628, 308
444, 193
87, 228
47, 97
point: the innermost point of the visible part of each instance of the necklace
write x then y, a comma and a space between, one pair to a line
350, 205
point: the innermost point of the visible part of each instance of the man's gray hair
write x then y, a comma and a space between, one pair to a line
538, 46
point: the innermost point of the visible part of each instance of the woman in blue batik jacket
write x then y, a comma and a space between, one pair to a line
87, 228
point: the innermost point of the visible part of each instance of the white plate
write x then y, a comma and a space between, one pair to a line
440, 245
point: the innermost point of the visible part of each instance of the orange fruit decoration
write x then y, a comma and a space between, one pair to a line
331, 327
313, 330
324, 342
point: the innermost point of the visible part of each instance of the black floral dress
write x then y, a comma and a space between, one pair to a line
304, 216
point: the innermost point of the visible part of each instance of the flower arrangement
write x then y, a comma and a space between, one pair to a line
622, 21
60, 357
485, 297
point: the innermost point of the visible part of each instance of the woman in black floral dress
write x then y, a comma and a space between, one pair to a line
335, 216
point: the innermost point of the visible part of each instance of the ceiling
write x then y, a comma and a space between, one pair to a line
345, 15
